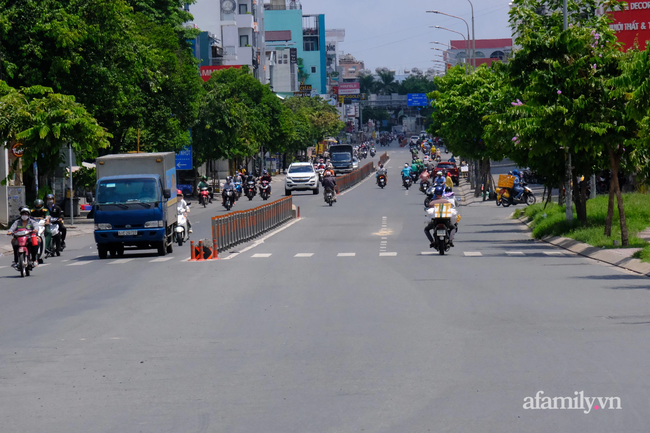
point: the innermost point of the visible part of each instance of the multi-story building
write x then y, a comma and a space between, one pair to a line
307, 37
282, 58
333, 37
234, 33
351, 67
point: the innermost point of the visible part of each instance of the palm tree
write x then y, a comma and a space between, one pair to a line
386, 83
367, 82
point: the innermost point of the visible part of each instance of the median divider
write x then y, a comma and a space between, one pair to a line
349, 180
384, 158
241, 226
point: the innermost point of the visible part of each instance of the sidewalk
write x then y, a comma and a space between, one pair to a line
82, 226
620, 257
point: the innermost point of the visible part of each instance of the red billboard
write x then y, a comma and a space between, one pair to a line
349, 88
206, 71
632, 24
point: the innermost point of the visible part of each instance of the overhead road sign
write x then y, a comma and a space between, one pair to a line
417, 100
184, 159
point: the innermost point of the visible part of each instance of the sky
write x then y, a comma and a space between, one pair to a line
396, 33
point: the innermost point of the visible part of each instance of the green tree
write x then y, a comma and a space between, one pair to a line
45, 122
416, 83
386, 84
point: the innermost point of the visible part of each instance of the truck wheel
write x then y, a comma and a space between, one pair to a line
287, 192
170, 247
119, 250
103, 251
113, 251
162, 248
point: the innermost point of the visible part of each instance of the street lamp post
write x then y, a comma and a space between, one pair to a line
461, 35
467, 25
568, 196
474, 35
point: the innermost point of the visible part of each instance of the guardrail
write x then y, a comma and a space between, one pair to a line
384, 158
349, 180
241, 226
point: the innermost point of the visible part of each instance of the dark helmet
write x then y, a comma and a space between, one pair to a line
25, 210
49, 197
438, 190
38, 203
448, 189
204, 178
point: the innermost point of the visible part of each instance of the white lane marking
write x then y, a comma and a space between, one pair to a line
44, 264
472, 254
66, 260
120, 261
407, 192
346, 254
384, 237
384, 217
387, 254
160, 259
428, 253
2, 267
515, 253
260, 256
304, 255
384, 242
261, 241
553, 253
79, 263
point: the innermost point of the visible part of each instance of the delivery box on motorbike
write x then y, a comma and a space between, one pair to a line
506, 181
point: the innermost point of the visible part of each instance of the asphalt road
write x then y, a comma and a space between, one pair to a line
327, 327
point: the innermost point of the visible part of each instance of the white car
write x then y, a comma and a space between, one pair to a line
414, 139
301, 177
355, 163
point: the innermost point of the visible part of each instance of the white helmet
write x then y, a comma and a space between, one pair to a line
406, 165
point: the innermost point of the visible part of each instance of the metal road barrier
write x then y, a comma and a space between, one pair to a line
384, 158
241, 226
349, 180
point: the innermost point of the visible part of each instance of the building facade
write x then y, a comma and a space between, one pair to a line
234, 34
307, 38
350, 67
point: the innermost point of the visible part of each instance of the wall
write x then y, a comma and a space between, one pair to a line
4, 170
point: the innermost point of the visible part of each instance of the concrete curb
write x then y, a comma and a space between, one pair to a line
600, 254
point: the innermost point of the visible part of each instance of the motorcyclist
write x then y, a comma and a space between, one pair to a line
382, 171
266, 177
439, 180
329, 169
451, 223
424, 177
56, 212
329, 183
40, 212
24, 222
228, 186
181, 206
516, 187
406, 171
449, 182
204, 184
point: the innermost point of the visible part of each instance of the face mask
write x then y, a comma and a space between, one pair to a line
24, 217
50, 202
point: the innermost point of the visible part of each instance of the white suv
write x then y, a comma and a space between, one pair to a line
301, 177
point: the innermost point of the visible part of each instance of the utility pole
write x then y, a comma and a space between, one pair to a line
568, 176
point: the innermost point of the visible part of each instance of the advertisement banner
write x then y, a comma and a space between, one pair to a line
293, 55
632, 24
206, 71
349, 88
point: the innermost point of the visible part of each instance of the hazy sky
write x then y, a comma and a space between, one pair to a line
396, 33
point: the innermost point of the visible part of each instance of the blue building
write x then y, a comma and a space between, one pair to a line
307, 37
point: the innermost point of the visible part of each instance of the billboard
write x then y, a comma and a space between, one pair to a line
349, 89
206, 71
632, 24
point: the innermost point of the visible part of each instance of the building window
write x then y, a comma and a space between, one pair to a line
243, 8
313, 69
243, 40
498, 55
311, 44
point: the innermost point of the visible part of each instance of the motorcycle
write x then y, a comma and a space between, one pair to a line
204, 196
55, 247
364, 154
24, 237
506, 198
230, 199
251, 191
424, 186
441, 233
429, 194
373, 152
238, 190
329, 196
182, 230
406, 182
381, 181
264, 190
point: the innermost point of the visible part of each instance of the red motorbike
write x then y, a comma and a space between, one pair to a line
25, 239
204, 196
264, 190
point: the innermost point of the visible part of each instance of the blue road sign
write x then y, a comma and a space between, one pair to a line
184, 159
416, 100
